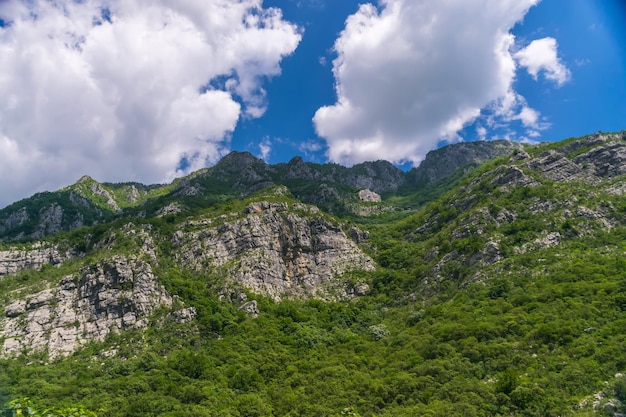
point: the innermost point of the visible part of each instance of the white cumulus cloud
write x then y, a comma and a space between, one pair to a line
541, 56
265, 149
125, 89
410, 73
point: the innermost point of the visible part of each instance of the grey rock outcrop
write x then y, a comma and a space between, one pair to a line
113, 295
97, 189
378, 176
15, 260
442, 162
369, 196
274, 250
14, 220
588, 159
555, 166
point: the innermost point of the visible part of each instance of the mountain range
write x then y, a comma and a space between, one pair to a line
488, 281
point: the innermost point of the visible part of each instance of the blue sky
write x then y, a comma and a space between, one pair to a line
130, 90
591, 39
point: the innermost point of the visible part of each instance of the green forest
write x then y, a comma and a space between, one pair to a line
448, 328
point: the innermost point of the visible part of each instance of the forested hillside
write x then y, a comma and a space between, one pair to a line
489, 282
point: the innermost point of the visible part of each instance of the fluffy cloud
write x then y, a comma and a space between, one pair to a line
412, 73
541, 56
126, 89
265, 149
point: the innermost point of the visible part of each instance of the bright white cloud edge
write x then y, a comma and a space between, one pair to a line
123, 89
540, 56
410, 74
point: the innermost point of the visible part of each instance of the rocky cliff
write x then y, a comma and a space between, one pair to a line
333, 187
534, 200
276, 249
32, 257
112, 295
442, 162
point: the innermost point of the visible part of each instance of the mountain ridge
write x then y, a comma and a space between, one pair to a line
496, 290
89, 202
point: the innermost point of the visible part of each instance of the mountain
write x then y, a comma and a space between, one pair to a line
460, 158
333, 187
489, 281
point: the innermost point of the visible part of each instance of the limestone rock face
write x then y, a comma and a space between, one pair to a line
98, 190
379, 176
276, 249
602, 156
444, 161
112, 295
14, 260
369, 196
14, 220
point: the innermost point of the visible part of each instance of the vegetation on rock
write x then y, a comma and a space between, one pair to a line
499, 291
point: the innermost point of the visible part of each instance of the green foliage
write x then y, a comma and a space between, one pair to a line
442, 333
24, 407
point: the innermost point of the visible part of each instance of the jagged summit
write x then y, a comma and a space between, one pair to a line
464, 156
332, 187
84, 178
502, 287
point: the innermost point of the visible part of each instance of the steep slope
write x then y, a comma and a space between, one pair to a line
462, 157
531, 200
505, 295
332, 187
113, 295
278, 248
84, 203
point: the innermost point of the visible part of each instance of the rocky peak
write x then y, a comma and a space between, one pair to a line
84, 179
236, 162
378, 176
238, 171
442, 162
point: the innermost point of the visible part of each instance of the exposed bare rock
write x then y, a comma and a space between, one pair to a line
250, 308
444, 161
113, 295
555, 166
490, 254
358, 290
274, 250
172, 208
369, 196
608, 160
14, 220
505, 216
186, 188
617, 189
548, 239
16, 260
98, 190
508, 177
133, 194
50, 221
378, 176
519, 155
144, 239
358, 235
184, 315
551, 239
